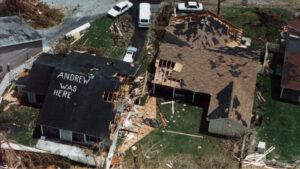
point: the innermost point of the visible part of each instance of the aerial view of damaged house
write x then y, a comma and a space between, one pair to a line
77, 93
197, 58
197, 62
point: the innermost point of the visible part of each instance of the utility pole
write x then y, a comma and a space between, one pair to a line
219, 6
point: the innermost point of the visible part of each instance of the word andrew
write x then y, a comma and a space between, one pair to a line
66, 89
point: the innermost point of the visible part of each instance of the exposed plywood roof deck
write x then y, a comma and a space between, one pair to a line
209, 66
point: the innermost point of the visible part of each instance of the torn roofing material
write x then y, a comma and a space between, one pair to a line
291, 67
199, 44
73, 86
15, 31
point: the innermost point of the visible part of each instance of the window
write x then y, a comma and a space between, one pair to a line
92, 139
1, 68
124, 7
144, 20
77, 137
51, 132
117, 8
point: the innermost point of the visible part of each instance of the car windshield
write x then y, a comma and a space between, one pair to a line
117, 8
129, 52
144, 20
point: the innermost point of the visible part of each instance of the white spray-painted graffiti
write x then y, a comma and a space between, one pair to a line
65, 90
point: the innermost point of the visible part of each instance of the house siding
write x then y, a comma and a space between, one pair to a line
227, 127
16, 55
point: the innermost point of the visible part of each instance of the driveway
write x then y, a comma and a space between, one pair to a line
140, 35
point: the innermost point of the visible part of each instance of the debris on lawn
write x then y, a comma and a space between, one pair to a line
162, 117
123, 30
260, 96
37, 14
185, 134
134, 124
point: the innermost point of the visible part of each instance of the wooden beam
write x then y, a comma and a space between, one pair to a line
184, 134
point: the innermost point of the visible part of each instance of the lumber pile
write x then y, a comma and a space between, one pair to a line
36, 13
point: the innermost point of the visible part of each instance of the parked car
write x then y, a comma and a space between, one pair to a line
190, 6
119, 9
144, 15
130, 54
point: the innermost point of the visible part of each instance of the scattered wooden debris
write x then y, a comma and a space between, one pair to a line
173, 104
185, 134
260, 96
37, 13
168, 102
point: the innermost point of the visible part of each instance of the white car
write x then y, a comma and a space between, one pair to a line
190, 6
119, 9
129, 55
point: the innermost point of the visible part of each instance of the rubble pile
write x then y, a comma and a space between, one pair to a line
123, 30
36, 13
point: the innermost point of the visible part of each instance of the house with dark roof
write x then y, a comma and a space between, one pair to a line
290, 81
71, 91
201, 58
18, 42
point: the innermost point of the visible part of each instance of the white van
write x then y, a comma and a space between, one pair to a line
144, 15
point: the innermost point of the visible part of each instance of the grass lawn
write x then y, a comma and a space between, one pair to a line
20, 122
259, 24
187, 152
280, 121
99, 36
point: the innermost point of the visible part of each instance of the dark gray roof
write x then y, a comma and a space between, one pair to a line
15, 31
83, 110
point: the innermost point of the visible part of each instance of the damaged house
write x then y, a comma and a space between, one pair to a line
290, 81
77, 94
18, 43
201, 55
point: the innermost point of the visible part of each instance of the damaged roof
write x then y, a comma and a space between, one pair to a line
291, 67
73, 86
294, 25
199, 44
15, 31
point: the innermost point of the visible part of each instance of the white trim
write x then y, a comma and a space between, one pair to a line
42, 130
193, 100
281, 93
173, 93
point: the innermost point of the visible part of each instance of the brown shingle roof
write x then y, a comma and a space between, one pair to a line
227, 74
294, 25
